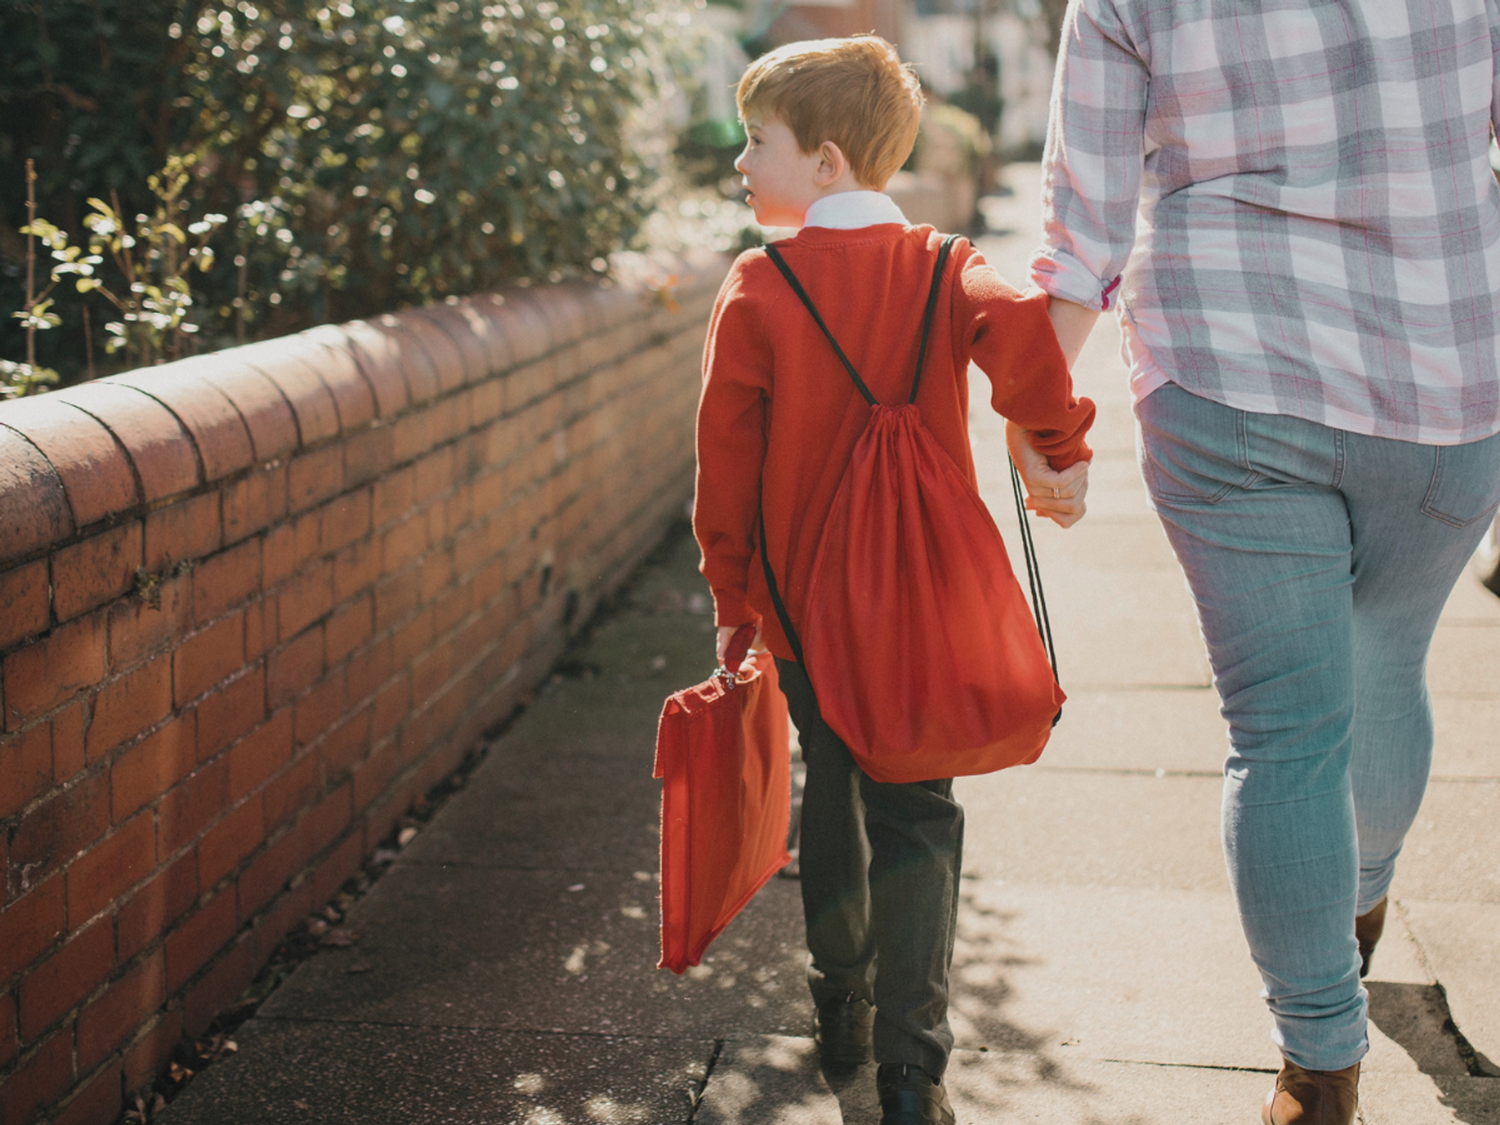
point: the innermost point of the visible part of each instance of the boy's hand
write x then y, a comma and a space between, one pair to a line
726, 632
1056, 495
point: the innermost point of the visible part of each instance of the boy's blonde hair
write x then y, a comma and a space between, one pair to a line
855, 92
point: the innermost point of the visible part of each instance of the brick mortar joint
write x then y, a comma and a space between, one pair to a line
141, 513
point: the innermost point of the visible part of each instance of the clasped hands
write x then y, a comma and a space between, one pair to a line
1057, 496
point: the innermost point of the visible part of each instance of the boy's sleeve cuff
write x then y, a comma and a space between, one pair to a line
1080, 452
1064, 448
731, 607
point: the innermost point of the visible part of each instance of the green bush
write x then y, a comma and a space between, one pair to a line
367, 153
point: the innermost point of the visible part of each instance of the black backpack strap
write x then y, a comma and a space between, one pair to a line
786, 272
932, 298
781, 613
944, 250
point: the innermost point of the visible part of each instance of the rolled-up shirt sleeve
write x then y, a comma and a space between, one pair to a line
1091, 169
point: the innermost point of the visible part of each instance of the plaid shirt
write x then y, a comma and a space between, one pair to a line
1292, 202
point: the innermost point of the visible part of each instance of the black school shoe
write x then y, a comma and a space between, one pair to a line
909, 1096
843, 1029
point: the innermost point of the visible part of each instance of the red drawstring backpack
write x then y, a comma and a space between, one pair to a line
917, 640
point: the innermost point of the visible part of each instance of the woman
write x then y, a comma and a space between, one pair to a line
1310, 314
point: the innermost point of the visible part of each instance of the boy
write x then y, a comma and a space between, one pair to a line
827, 124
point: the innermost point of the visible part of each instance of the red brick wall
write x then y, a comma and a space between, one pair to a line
251, 604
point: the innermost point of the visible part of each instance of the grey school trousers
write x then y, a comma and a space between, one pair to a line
880, 883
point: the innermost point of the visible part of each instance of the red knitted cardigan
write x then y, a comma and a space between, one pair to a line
779, 417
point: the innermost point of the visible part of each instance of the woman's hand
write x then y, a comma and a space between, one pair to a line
1059, 496
726, 633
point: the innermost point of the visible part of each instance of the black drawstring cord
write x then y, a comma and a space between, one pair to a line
1034, 575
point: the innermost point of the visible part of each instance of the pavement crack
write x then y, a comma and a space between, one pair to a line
480, 865
1193, 1066
1129, 771
1102, 687
493, 1029
708, 1073
1472, 1060
1476, 1064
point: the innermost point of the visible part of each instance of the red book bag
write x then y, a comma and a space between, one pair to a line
918, 641
722, 751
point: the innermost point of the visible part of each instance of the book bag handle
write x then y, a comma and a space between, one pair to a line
1028, 546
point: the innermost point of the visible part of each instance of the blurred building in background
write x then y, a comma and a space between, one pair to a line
993, 58
780, 22
986, 66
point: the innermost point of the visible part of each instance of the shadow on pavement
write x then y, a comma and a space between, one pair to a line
1417, 1019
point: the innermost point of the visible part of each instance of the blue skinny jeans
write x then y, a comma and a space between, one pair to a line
1319, 561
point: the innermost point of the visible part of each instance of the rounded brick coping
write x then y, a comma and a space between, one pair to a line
93, 453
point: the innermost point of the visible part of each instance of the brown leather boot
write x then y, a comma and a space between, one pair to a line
1367, 930
1312, 1097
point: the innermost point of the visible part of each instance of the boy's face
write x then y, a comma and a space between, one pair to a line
783, 181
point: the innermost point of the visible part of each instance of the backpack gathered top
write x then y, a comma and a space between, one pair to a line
917, 639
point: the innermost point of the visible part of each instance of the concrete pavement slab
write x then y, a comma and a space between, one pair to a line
1111, 635
1419, 1099
1471, 602
585, 801
512, 825
1465, 660
776, 1081
1407, 1031
1158, 977
1150, 976
991, 1090
1178, 730
1468, 736
1035, 825
1120, 612
549, 950
1123, 548
296, 1073
571, 785
1452, 852
1461, 942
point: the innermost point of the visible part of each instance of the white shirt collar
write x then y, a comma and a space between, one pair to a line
849, 210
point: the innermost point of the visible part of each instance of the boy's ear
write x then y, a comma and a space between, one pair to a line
832, 164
